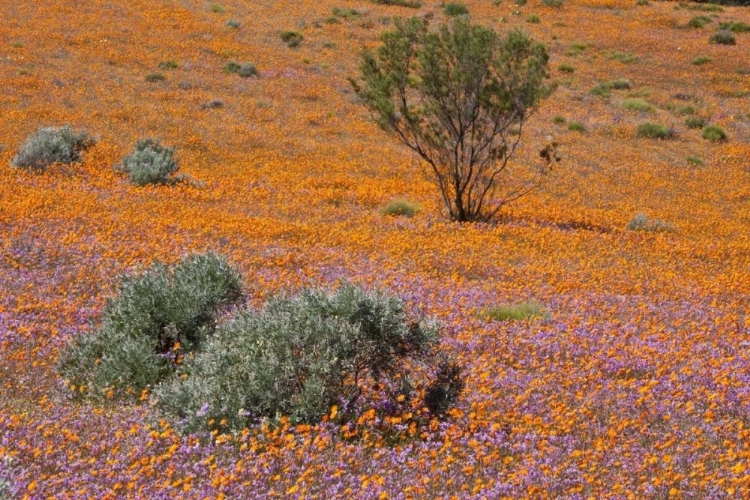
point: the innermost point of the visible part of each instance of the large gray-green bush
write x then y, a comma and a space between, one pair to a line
156, 318
150, 163
299, 356
50, 145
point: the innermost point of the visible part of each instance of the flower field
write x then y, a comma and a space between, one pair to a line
635, 383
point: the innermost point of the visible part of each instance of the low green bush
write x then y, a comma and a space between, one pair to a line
155, 319
533, 19
642, 223
576, 127
735, 26
50, 145
699, 21
566, 68
455, 9
298, 357
695, 161
635, 104
723, 37
155, 77
714, 133
292, 39
695, 122
400, 207
701, 60
559, 120
654, 131
169, 64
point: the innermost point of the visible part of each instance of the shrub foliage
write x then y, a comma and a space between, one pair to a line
300, 356
156, 317
50, 145
453, 96
150, 163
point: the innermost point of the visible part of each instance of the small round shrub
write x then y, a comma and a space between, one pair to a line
233, 24
635, 104
723, 37
300, 356
400, 207
155, 77
699, 21
695, 122
566, 68
653, 131
620, 84
455, 9
701, 60
686, 110
169, 64
247, 70
576, 127
156, 318
553, 3
558, 120
642, 223
50, 145
735, 26
150, 163
533, 19
714, 133
695, 161
292, 38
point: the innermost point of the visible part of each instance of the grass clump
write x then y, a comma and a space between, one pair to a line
218, 9
150, 163
620, 84
714, 133
723, 37
233, 24
169, 64
245, 70
576, 127
701, 60
155, 77
519, 311
699, 21
292, 39
695, 122
642, 223
559, 120
735, 26
624, 57
635, 104
533, 19
695, 161
50, 145
156, 318
686, 110
601, 89
651, 130
556, 4
400, 207
566, 68
301, 356
576, 48
455, 9
346, 13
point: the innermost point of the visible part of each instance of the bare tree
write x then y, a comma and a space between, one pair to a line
459, 98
